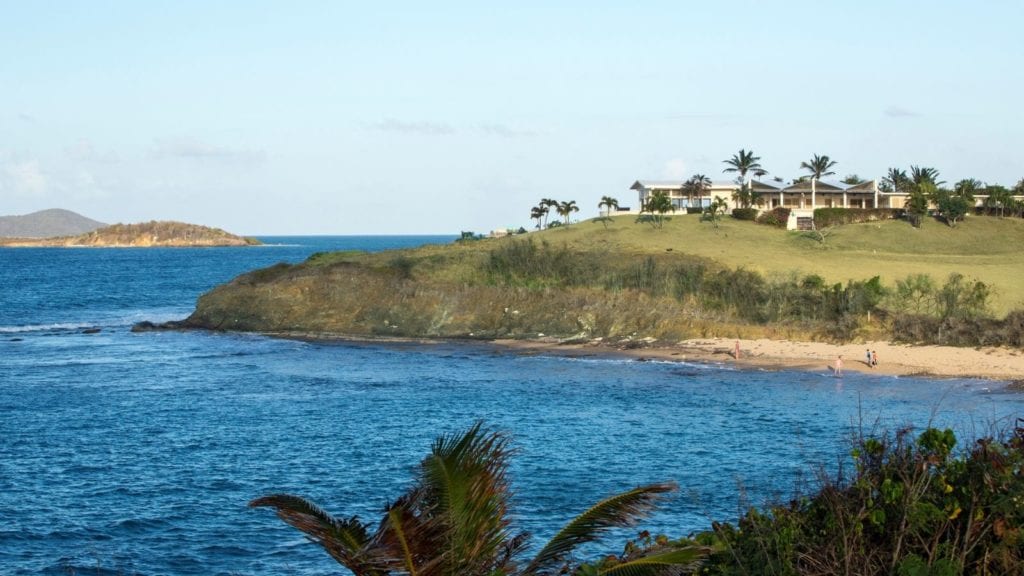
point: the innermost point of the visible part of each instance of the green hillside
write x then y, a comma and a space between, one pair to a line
630, 281
984, 248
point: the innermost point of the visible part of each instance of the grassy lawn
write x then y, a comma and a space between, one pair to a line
984, 248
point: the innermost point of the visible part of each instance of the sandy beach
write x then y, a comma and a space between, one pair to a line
893, 359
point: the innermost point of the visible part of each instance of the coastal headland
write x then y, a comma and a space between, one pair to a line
629, 289
141, 235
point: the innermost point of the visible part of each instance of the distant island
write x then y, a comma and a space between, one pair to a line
47, 224
146, 234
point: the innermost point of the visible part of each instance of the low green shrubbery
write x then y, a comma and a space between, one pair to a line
912, 507
744, 213
917, 309
832, 216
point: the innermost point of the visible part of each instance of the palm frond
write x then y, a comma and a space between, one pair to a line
671, 563
620, 510
344, 539
466, 477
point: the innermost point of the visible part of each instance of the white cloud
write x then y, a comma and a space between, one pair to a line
426, 128
675, 169
191, 148
21, 177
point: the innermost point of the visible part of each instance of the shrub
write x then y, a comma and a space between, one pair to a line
778, 217
694, 210
912, 506
832, 216
744, 213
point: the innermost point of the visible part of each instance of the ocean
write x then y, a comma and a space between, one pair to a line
126, 453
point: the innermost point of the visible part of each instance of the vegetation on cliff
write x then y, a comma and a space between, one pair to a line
146, 234
627, 282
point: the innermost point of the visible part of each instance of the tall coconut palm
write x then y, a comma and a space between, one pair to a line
454, 521
697, 185
819, 166
537, 213
896, 179
566, 208
608, 202
548, 204
743, 162
921, 174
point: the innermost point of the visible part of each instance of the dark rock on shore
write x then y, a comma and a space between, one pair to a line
147, 326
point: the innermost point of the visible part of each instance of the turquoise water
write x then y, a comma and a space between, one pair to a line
127, 453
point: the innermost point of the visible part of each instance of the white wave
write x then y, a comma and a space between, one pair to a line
112, 319
58, 326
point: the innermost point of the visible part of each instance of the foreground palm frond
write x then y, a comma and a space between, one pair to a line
671, 563
346, 540
454, 522
620, 510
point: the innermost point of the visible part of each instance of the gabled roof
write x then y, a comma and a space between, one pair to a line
827, 186
677, 185
656, 185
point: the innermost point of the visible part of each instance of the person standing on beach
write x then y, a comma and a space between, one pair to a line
867, 356
874, 358
838, 370
736, 351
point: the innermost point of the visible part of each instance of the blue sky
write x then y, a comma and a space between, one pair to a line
395, 117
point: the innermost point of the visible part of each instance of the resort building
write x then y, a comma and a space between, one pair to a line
800, 197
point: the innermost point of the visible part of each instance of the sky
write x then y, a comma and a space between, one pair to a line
438, 117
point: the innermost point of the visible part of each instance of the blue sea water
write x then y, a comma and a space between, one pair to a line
126, 453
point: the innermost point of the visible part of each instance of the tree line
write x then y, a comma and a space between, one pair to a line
927, 194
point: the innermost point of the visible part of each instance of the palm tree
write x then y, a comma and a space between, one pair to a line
697, 185
537, 213
609, 203
713, 213
967, 188
454, 521
919, 175
897, 179
548, 204
566, 208
659, 204
743, 162
819, 166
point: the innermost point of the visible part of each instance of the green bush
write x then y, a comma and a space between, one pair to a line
912, 506
833, 216
694, 210
744, 213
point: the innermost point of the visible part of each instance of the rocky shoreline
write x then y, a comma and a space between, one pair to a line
996, 363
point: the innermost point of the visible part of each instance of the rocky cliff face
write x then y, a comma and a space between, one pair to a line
374, 297
148, 234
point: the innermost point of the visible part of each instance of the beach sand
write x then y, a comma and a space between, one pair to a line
893, 359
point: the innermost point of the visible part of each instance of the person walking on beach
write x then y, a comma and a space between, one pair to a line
838, 370
874, 358
867, 356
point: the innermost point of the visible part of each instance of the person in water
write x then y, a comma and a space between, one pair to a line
838, 370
